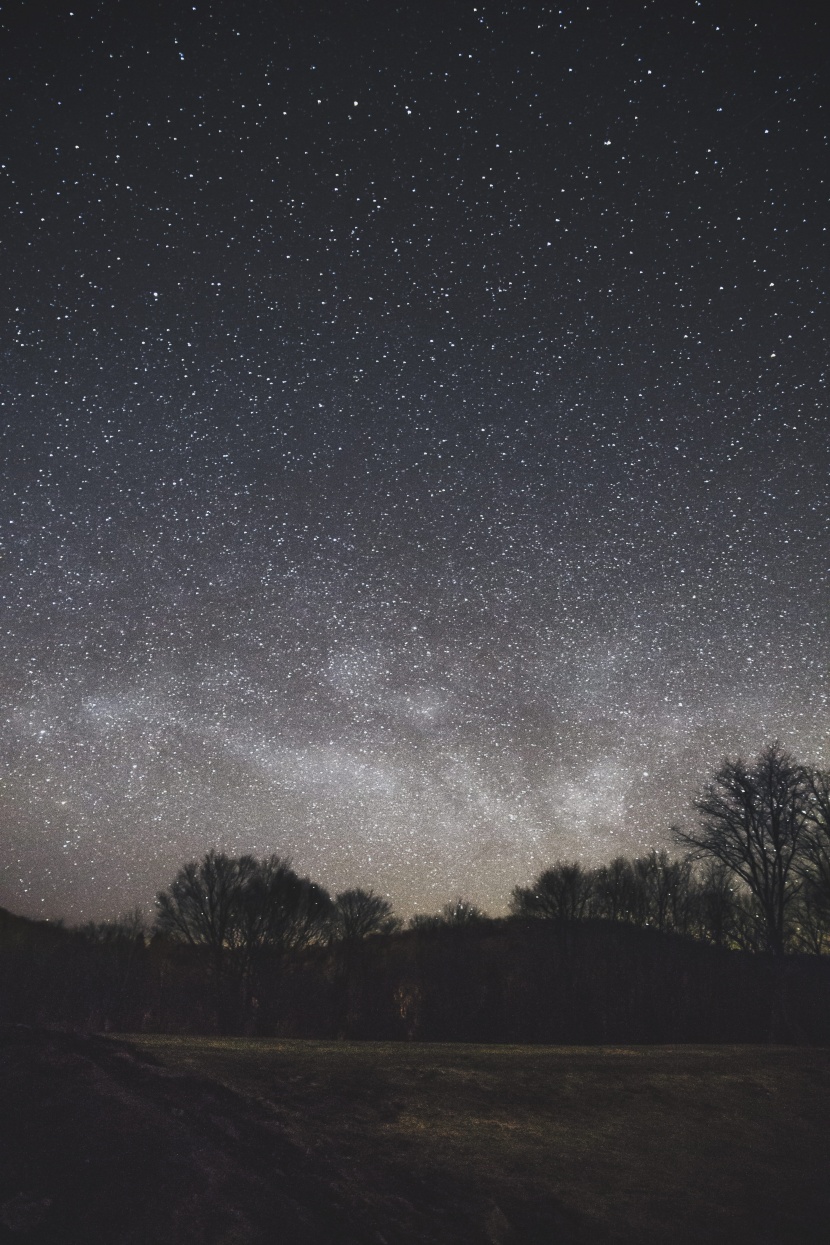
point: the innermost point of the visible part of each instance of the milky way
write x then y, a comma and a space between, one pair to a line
415, 450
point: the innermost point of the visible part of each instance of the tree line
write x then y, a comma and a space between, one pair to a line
755, 876
651, 948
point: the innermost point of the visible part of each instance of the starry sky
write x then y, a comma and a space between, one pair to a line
415, 446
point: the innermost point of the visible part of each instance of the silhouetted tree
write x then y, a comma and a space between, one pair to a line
358, 913
615, 890
203, 907
810, 918
563, 892
240, 908
753, 820
813, 916
662, 892
280, 913
652, 891
715, 903
423, 921
279, 910
119, 948
203, 904
459, 912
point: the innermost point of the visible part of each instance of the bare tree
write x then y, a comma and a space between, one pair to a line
459, 912
563, 892
814, 910
753, 820
663, 892
615, 890
716, 899
202, 905
423, 921
242, 911
239, 904
811, 917
280, 913
279, 910
130, 927
359, 913
652, 890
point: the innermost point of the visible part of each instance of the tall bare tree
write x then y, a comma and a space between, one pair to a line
202, 905
279, 910
753, 819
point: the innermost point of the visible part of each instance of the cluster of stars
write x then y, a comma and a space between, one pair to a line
415, 454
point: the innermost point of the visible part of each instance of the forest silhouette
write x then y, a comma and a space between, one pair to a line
726, 942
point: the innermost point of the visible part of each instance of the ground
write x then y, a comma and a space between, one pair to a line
153, 1139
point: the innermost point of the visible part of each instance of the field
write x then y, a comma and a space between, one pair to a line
639, 1144
234, 1141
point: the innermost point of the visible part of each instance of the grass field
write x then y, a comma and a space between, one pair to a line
635, 1144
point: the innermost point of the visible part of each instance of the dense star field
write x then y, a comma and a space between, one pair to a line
415, 451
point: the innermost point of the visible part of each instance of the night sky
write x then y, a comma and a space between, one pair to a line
415, 450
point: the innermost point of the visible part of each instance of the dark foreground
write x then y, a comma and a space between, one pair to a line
233, 1142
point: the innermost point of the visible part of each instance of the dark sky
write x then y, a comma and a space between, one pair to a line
415, 440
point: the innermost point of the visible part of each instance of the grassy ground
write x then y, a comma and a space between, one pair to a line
644, 1145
